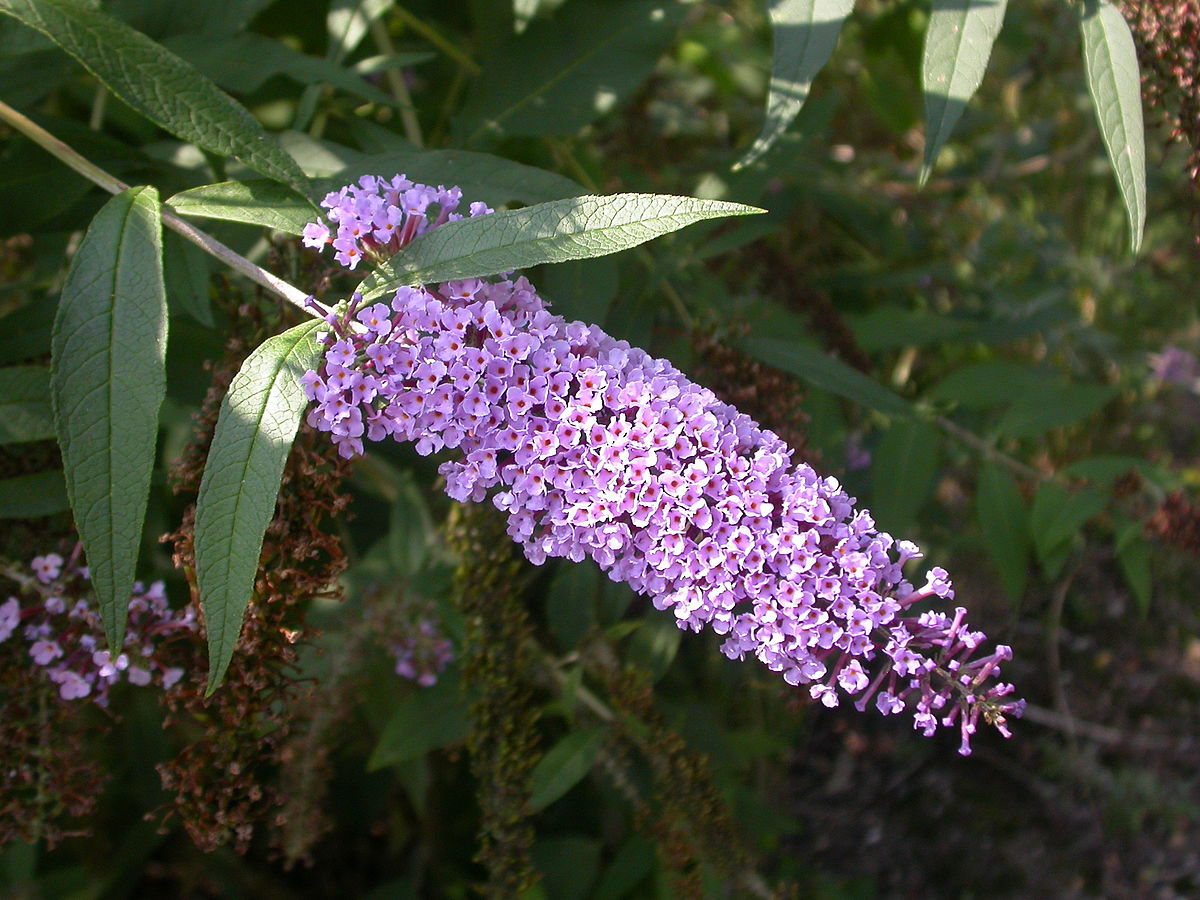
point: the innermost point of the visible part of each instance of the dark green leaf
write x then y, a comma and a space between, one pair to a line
655, 643
989, 384
828, 374
1115, 83
481, 176
255, 429
805, 33
957, 47
31, 496
25, 412
632, 864
428, 719
902, 472
571, 603
242, 63
581, 289
576, 228
565, 72
1133, 554
188, 274
156, 83
1036, 412
1057, 518
410, 530
1005, 526
108, 379
256, 202
568, 865
564, 766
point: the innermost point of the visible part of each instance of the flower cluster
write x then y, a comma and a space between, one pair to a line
600, 451
376, 217
65, 635
422, 654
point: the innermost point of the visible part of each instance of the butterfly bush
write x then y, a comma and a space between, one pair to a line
60, 623
596, 450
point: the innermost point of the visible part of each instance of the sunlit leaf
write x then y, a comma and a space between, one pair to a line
577, 228
108, 379
1114, 81
156, 83
255, 430
805, 33
255, 202
957, 47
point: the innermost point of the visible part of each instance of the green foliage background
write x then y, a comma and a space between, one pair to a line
984, 338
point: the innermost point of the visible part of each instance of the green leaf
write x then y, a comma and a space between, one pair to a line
156, 83
957, 47
31, 496
581, 289
411, 528
428, 719
107, 382
1057, 518
576, 228
1133, 555
1115, 83
188, 275
481, 176
571, 603
25, 411
1036, 412
824, 372
565, 72
256, 202
805, 33
1005, 526
242, 63
990, 384
655, 643
255, 429
903, 468
564, 766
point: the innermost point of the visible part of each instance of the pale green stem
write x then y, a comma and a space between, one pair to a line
113, 185
395, 80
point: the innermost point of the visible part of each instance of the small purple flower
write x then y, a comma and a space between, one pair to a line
47, 567
10, 617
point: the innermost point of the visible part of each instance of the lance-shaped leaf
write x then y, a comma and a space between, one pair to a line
561, 230
805, 33
255, 202
957, 47
1115, 83
1004, 522
564, 766
828, 374
157, 83
255, 429
107, 382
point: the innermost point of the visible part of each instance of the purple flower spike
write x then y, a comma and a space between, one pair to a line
594, 449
